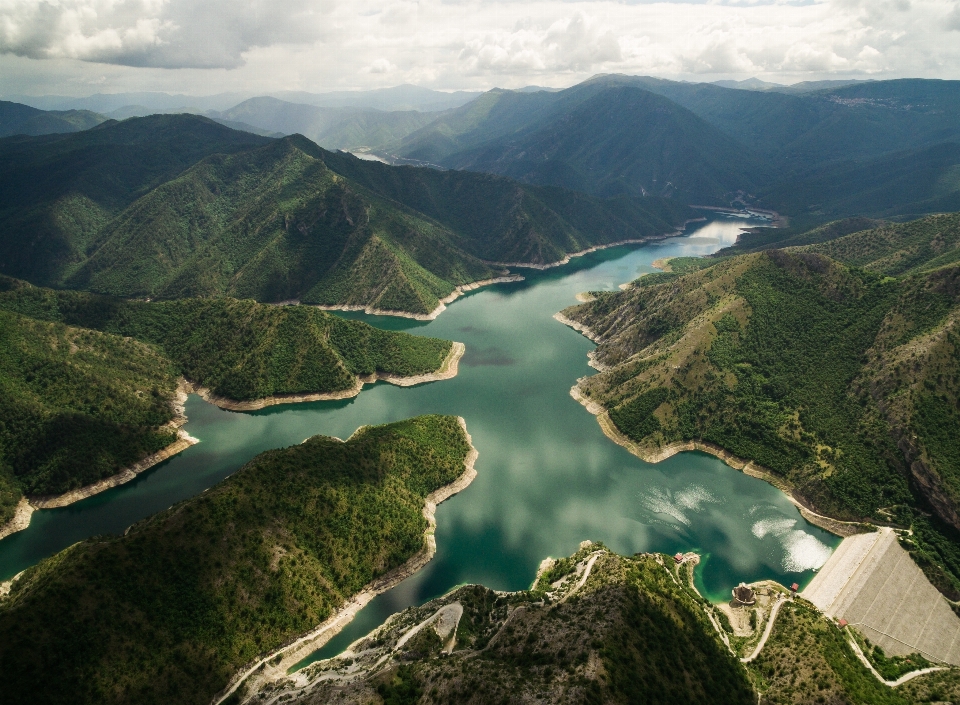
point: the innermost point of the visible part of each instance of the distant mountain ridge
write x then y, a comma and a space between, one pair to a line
330, 127
202, 210
820, 152
18, 119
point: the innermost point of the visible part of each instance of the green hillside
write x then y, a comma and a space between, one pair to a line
633, 633
899, 248
19, 119
274, 223
218, 212
913, 182
622, 140
169, 611
795, 235
798, 131
828, 376
494, 114
58, 191
76, 406
808, 659
876, 148
238, 348
498, 220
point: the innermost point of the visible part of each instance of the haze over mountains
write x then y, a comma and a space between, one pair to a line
814, 150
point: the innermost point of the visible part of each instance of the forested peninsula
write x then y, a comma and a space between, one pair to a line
835, 366
91, 382
168, 612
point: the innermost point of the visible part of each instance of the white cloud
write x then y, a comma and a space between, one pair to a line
321, 44
158, 33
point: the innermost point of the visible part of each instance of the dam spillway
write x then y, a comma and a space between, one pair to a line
874, 584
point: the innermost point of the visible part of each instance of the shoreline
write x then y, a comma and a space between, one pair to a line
32, 503
836, 527
566, 258
449, 298
29, 504
776, 220
448, 369
316, 638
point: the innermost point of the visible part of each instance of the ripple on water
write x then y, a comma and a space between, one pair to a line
673, 504
801, 551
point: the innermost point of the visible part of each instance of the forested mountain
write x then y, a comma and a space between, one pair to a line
18, 119
177, 205
329, 127
58, 191
76, 405
841, 381
169, 611
877, 147
88, 381
594, 137
634, 631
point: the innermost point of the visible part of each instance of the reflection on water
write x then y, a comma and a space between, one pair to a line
548, 477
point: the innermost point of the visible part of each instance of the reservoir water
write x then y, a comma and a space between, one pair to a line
547, 476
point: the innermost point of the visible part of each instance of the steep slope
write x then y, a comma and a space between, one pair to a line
598, 138
169, 611
19, 119
625, 140
76, 406
271, 220
898, 248
913, 182
631, 632
497, 219
492, 115
58, 191
274, 223
870, 148
759, 239
242, 350
799, 364
860, 121
89, 381
329, 127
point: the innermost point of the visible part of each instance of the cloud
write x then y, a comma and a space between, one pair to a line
152, 33
953, 19
327, 44
380, 66
576, 43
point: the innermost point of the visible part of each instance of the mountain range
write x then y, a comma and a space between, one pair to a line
833, 151
178, 205
834, 365
814, 151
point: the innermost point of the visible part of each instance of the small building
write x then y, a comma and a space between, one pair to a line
742, 595
794, 587
842, 623
678, 558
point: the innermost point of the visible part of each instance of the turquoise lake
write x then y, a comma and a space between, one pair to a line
547, 476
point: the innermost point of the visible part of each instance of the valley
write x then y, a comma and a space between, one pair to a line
238, 368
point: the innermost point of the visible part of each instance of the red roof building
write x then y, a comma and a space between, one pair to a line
678, 558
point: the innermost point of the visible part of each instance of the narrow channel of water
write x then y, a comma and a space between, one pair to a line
548, 477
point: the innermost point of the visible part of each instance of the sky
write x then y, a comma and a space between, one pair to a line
202, 47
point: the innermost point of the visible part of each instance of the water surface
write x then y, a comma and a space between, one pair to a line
547, 476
